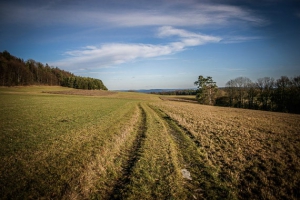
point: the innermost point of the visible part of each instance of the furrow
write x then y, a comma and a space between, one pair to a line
134, 156
100, 172
156, 174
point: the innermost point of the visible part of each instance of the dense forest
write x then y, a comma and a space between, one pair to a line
16, 72
266, 93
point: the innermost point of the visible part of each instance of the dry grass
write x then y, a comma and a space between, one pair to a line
83, 92
134, 146
104, 167
155, 175
256, 153
53, 146
190, 99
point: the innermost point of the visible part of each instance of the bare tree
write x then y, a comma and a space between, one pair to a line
281, 93
237, 90
266, 88
231, 91
252, 94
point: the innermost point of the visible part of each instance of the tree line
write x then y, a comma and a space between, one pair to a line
282, 95
85, 83
17, 72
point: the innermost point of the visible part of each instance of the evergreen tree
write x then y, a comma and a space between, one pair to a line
207, 90
14, 71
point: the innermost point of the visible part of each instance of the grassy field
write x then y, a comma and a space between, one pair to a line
61, 143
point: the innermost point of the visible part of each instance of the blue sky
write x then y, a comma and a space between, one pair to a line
156, 44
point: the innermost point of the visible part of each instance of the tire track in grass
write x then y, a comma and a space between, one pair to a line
156, 175
205, 183
134, 156
103, 167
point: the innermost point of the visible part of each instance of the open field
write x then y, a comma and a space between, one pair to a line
137, 146
83, 92
182, 98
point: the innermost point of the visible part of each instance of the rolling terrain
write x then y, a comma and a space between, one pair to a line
62, 143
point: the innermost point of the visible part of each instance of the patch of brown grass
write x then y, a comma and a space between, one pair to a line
50, 142
135, 146
257, 153
100, 173
179, 98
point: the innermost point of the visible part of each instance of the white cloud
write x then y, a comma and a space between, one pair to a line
168, 14
189, 14
238, 39
112, 54
188, 38
116, 53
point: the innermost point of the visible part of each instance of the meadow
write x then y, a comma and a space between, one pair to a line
62, 143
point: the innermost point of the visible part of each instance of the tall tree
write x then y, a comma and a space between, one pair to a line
238, 91
243, 87
282, 93
251, 95
207, 90
266, 89
294, 99
231, 91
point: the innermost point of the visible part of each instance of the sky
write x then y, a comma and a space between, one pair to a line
142, 44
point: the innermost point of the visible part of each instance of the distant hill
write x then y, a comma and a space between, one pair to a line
159, 91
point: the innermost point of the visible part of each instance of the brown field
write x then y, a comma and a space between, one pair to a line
83, 92
190, 99
77, 144
255, 153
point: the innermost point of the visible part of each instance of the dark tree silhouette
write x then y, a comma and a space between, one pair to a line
14, 71
281, 95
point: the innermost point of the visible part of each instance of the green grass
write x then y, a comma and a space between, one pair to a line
134, 146
47, 139
32, 89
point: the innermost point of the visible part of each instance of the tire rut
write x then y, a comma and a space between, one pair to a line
204, 183
134, 156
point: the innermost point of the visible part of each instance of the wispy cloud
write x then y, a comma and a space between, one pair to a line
190, 13
116, 53
238, 39
187, 38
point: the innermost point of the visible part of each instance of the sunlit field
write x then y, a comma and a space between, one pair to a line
61, 143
